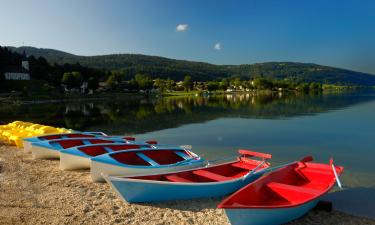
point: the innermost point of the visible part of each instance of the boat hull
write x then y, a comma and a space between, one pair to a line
133, 190
40, 152
73, 162
271, 216
27, 146
99, 168
27, 143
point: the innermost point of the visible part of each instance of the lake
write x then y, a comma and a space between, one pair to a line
289, 127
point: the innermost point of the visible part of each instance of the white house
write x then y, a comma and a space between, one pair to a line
18, 73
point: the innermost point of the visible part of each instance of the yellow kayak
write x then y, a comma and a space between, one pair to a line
14, 133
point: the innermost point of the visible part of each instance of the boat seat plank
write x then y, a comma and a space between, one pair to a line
312, 170
182, 155
210, 175
286, 187
147, 159
176, 178
242, 165
108, 149
86, 142
56, 145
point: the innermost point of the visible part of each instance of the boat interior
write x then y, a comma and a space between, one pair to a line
289, 186
152, 157
96, 150
218, 173
69, 143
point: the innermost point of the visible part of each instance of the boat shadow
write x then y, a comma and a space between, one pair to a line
358, 201
195, 205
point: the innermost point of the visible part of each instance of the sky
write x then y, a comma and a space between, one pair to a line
338, 33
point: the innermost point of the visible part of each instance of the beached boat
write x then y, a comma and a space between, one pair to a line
143, 161
80, 157
28, 141
283, 195
211, 181
51, 149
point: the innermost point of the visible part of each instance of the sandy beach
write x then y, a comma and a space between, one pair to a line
37, 192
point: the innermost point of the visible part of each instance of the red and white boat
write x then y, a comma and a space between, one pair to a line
283, 195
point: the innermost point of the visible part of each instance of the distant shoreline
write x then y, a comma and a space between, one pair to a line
104, 96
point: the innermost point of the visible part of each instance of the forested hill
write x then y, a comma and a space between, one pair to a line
176, 69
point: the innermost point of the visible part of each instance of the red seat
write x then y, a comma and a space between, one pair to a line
243, 165
292, 188
210, 175
176, 178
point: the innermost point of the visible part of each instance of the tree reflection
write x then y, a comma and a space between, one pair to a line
148, 114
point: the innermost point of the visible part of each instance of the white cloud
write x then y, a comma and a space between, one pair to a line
217, 46
182, 27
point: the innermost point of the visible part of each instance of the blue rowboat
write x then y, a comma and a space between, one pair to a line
204, 182
80, 157
28, 141
51, 149
143, 161
283, 195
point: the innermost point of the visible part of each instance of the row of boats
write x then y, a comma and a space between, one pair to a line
145, 171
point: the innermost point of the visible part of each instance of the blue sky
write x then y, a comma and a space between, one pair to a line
338, 33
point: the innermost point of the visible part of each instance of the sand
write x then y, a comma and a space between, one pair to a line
37, 192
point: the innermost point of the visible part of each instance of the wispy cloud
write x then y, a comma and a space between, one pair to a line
182, 27
217, 46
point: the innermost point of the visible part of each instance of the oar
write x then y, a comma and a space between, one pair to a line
270, 169
186, 147
335, 173
224, 159
255, 169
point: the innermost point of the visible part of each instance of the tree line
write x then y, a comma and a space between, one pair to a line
73, 75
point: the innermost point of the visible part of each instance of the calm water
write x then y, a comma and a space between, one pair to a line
340, 125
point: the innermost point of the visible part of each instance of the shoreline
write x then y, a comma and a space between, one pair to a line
37, 192
105, 96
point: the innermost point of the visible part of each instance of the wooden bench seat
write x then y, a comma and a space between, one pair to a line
243, 165
147, 159
210, 175
176, 178
292, 188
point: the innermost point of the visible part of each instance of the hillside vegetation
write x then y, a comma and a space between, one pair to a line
160, 67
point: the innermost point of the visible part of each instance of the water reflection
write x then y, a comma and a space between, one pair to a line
134, 115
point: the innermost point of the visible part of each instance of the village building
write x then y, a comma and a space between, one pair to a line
21, 72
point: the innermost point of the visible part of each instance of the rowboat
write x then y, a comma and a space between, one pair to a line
80, 157
143, 161
28, 141
51, 149
204, 182
283, 195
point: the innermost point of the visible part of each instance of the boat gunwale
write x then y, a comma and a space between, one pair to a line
133, 180
107, 158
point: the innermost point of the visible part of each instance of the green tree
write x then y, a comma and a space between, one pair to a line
315, 86
111, 82
262, 84
72, 80
187, 83
160, 84
92, 83
144, 82
212, 86
304, 87
169, 84
224, 84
